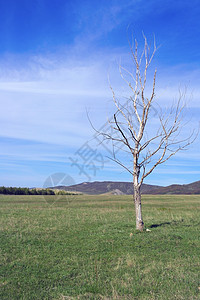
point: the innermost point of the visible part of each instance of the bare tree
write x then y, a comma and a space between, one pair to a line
148, 134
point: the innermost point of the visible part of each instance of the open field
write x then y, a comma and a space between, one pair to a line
80, 248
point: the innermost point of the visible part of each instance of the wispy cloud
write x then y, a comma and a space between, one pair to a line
44, 94
51, 107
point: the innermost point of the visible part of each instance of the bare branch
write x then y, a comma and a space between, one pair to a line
131, 122
121, 164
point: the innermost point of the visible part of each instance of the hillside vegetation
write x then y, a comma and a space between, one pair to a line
35, 191
102, 187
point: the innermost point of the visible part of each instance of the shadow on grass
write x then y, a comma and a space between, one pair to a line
166, 223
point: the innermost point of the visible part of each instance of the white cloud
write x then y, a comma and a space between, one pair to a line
47, 102
53, 106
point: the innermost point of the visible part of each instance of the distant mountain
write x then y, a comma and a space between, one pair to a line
187, 189
119, 188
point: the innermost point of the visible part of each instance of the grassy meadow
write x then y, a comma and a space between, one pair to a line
86, 247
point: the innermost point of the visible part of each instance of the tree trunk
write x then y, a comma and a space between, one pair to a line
138, 208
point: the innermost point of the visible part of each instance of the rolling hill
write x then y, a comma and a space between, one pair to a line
117, 188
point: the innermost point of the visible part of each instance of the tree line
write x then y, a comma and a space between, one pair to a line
26, 191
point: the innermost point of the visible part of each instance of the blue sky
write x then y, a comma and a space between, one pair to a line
55, 57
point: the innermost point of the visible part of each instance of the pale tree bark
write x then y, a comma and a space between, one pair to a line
148, 147
138, 208
138, 204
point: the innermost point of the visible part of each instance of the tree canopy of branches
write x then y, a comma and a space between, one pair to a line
146, 133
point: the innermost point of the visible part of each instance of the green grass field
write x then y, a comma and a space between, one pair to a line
86, 247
